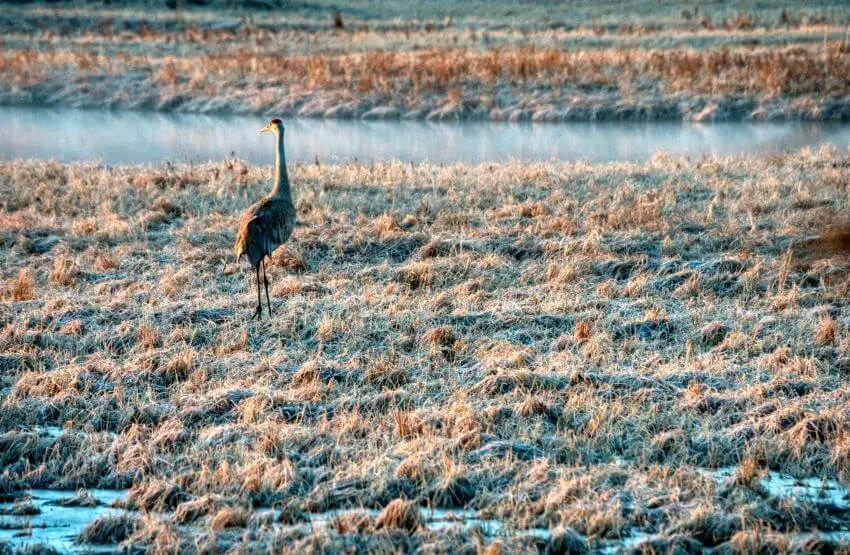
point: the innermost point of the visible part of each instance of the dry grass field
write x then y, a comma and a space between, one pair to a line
442, 60
616, 356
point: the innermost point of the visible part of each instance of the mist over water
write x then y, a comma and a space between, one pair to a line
69, 135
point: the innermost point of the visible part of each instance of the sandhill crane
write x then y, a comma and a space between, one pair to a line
267, 224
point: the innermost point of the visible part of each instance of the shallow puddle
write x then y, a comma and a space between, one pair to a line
626, 543
433, 519
813, 490
56, 525
49, 431
438, 519
466, 521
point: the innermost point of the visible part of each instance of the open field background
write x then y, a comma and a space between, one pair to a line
440, 60
552, 345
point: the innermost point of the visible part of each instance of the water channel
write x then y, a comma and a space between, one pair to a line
122, 137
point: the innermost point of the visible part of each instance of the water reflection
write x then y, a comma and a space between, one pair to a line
142, 137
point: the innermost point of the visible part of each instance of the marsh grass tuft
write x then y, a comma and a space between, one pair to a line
22, 288
229, 517
64, 272
400, 514
109, 529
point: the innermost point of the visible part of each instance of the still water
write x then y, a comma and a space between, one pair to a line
148, 137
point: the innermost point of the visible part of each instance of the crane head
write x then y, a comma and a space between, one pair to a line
274, 125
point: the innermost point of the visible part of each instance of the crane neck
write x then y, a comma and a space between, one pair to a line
281, 189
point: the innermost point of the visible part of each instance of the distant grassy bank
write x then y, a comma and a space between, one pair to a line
562, 346
511, 62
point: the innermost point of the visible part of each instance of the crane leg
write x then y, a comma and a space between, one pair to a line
266, 283
258, 314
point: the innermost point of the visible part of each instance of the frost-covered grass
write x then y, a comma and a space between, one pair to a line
558, 346
509, 61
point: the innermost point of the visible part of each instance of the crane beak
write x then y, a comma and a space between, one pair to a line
266, 128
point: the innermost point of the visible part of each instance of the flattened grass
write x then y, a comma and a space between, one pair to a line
553, 345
